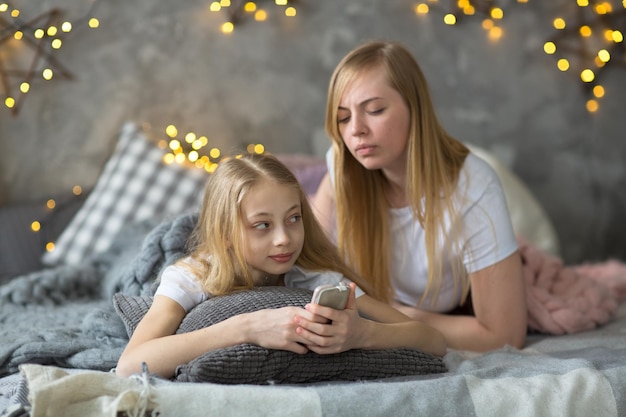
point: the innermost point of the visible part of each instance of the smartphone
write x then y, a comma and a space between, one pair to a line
330, 295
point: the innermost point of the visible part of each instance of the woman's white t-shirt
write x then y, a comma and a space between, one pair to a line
182, 286
487, 237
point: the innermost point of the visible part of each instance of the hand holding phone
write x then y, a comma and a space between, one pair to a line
330, 295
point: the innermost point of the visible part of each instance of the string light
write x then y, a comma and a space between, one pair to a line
239, 11
44, 35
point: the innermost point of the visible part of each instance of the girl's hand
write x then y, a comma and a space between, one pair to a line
276, 328
330, 330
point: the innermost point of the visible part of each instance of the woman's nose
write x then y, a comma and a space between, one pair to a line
359, 126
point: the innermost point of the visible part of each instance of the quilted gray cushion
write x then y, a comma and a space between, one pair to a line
251, 364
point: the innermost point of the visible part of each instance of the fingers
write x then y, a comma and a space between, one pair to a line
351, 304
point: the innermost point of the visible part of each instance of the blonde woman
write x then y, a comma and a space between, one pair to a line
256, 228
412, 210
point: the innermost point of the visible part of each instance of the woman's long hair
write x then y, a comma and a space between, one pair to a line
434, 161
217, 245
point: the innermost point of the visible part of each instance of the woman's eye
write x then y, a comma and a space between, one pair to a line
377, 111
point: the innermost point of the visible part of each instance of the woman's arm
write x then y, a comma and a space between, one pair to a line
323, 203
499, 302
388, 328
155, 342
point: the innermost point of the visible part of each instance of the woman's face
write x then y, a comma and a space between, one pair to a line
374, 122
273, 231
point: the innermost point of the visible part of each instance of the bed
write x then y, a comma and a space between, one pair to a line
63, 325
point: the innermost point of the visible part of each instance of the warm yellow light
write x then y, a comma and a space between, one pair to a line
9, 102
52, 31
228, 27
469, 10
174, 144
35, 226
50, 246
94, 23
4, 7
225, 3
290, 11
190, 137
77, 190
260, 15
559, 23
168, 158
562, 64
39, 33
192, 156
47, 74
495, 33
203, 140
587, 75
51, 203
585, 31
449, 19
604, 55
197, 144
171, 131
522, 1
15, 13
24, 87
210, 168
603, 8
56, 43
583, 3
549, 48
592, 106
280, 2
497, 13
180, 158
215, 6
488, 24
66, 27
598, 91
214, 153
250, 7
258, 148
617, 36
18, 35
421, 9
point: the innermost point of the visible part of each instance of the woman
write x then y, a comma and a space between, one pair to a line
412, 210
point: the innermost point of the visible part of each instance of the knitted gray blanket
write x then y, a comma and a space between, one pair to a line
64, 315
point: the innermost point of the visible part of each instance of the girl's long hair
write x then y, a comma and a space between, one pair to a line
434, 161
216, 245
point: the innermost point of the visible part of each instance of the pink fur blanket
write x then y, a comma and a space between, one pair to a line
567, 299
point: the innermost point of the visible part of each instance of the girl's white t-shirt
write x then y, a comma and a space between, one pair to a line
487, 237
182, 286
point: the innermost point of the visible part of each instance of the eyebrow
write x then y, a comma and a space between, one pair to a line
363, 103
261, 214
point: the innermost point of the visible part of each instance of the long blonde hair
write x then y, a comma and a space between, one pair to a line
217, 240
434, 161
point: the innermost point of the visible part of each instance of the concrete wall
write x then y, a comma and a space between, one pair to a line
162, 62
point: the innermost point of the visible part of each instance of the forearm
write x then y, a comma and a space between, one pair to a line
164, 354
410, 334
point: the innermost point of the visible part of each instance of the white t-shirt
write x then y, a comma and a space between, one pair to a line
182, 286
487, 236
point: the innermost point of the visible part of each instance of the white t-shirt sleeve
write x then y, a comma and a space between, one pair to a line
179, 284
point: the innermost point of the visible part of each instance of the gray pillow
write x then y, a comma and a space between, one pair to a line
251, 364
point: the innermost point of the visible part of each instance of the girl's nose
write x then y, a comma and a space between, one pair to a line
281, 236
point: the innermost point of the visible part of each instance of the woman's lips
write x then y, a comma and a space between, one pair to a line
365, 150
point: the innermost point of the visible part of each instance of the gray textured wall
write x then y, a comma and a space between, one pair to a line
162, 62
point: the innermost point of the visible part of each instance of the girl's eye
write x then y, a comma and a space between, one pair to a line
295, 218
261, 226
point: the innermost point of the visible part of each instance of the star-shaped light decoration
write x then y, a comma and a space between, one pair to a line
27, 52
588, 41
456, 10
237, 10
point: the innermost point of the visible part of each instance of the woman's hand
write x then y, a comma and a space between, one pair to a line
330, 330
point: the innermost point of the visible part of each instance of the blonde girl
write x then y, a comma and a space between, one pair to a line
256, 228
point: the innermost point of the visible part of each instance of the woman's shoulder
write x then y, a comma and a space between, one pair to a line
477, 176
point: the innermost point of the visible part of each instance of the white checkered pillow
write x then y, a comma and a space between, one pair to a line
135, 185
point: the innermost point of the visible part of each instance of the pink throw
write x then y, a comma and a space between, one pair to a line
568, 299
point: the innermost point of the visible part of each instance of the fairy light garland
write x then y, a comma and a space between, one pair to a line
237, 10
588, 42
44, 34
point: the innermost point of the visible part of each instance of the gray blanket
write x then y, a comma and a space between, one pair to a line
64, 316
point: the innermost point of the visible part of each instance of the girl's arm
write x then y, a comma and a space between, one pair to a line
499, 301
155, 342
388, 328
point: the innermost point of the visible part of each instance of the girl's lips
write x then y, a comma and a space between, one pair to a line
282, 258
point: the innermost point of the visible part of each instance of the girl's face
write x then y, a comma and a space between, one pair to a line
273, 231
374, 121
